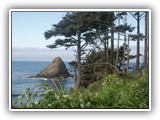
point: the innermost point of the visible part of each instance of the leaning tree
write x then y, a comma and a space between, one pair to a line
81, 29
71, 27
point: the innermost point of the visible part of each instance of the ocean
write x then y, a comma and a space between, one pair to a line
21, 70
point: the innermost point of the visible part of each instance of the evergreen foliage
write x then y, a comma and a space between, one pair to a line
95, 65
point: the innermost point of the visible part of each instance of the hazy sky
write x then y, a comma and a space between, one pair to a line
28, 28
28, 41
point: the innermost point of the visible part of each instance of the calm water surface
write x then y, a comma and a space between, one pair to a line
22, 69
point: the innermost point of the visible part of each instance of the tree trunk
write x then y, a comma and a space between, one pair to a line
118, 42
124, 49
79, 60
107, 48
128, 56
148, 42
124, 52
105, 51
112, 41
145, 43
138, 43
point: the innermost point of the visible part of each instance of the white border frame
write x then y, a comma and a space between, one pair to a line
65, 10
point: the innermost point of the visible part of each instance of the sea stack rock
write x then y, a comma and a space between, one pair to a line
56, 69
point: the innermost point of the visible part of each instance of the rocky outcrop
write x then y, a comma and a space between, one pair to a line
56, 69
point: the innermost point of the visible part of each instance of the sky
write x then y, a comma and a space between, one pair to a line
28, 41
28, 28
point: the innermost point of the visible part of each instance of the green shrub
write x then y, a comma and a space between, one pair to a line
119, 93
112, 92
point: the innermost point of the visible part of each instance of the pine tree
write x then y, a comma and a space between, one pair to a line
73, 27
138, 16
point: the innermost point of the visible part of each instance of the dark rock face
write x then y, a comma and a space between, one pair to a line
56, 69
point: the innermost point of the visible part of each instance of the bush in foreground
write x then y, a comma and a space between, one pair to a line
112, 92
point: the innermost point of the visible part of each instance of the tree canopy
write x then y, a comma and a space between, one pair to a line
96, 30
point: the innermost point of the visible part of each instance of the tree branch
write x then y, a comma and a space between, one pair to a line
112, 66
84, 45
